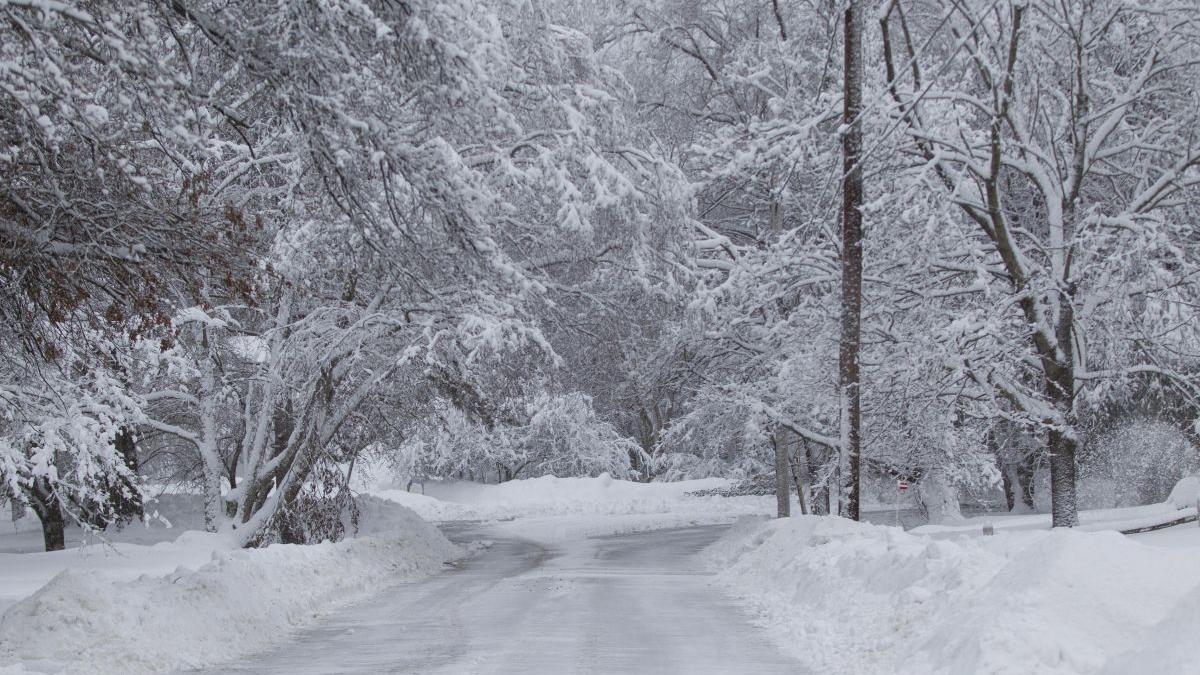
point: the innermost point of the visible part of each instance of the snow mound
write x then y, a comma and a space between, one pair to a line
241, 601
851, 598
1185, 493
382, 517
1170, 650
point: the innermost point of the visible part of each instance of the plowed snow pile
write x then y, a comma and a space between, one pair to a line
856, 598
241, 601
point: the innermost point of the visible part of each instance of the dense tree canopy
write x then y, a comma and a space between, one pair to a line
243, 244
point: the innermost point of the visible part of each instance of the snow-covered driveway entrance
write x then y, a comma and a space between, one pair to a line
632, 603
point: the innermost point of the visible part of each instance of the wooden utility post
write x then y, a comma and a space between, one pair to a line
852, 257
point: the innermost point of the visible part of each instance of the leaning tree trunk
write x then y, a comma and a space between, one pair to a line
849, 385
815, 459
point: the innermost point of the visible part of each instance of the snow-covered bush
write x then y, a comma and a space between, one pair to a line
1136, 464
61, 437
554, 434
565, 437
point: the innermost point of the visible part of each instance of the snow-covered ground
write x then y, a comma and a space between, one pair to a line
629, 603
169, 539
1182, 503
552, 496
858, 598
127, 608
828, 594
1089, 521
162, 596
550, 509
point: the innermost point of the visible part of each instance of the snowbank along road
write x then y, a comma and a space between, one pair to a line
633, 603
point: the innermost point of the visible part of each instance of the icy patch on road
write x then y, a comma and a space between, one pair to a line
239, 602
850, 598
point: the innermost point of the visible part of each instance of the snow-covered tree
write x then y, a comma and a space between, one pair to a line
1060, 138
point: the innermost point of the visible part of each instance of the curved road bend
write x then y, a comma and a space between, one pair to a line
635, 603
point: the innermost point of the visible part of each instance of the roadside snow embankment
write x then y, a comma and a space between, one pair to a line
856, 598
240, 602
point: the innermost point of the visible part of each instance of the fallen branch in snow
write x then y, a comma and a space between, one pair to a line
1161, 526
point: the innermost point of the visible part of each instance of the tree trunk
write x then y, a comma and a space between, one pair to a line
1026, 473
1063, 504
1009, 487
45, 503
214, 506
783, 502
128, 503
852, 262
53, 534
799, 486
815, 459
1061, 446
1060, 390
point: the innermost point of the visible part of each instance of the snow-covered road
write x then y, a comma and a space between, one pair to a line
633, 603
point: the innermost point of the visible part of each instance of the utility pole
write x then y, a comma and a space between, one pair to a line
849, 385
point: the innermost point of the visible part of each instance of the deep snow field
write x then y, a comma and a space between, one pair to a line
842, 597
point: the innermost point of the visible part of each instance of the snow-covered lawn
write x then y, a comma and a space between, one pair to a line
1181, 503
550, 509
197, 600
552, 496
858, 598
167, 541
1089, 521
